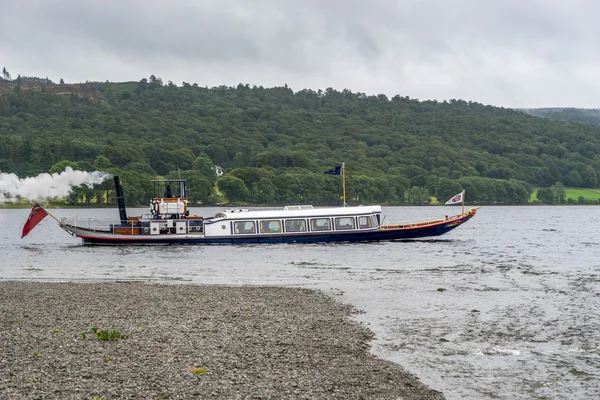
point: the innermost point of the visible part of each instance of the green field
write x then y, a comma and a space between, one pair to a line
574, 193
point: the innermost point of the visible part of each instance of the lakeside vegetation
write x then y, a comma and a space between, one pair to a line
273, 144
569, 196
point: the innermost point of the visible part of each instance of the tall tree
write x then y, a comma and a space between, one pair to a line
233, 187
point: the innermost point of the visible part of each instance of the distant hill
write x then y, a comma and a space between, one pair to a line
589, 116
273, 144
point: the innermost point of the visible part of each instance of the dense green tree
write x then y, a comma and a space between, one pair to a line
140, 167
418, 196
205, 166
251, 175
62, 165
590, 177
102, 163
287, 189
233, 187
362, 188
137, 188
399, 185
239, 160
264, 191
446, 188
559, 192
218, 153
573, 179
546, 196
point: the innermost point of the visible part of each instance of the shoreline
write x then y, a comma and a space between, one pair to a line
189, 341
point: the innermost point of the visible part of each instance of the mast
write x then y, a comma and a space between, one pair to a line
344, 182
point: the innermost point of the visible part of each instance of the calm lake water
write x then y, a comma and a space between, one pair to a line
506, 306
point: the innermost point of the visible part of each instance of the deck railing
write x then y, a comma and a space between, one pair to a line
97, 224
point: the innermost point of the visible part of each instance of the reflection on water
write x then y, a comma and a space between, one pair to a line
505, 306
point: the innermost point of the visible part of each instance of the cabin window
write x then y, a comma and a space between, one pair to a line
344, 223
375, 219
364, 222
244, 227
295, 225
320, 224
272, 226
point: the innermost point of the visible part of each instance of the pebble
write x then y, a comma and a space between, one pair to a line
251, 342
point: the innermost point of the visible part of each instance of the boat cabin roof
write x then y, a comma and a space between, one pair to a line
300, 212
176, 187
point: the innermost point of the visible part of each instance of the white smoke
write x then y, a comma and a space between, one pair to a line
46, 186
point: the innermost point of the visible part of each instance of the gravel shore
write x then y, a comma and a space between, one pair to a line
186, 341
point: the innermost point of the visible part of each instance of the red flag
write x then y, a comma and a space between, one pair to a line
36, 215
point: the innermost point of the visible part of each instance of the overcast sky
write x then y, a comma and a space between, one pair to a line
512, 53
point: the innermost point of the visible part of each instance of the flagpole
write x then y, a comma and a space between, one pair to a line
56, 219
463, 203
344, 181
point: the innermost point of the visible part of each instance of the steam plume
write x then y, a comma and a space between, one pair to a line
46, 186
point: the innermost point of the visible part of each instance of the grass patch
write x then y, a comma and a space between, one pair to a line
574, 193
588, 194
107, 335
198, 371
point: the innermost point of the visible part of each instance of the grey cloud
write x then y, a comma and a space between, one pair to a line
511, 53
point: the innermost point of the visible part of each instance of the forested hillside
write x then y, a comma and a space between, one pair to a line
273, 144
582, 115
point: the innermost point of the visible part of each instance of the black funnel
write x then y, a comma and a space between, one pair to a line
120, 200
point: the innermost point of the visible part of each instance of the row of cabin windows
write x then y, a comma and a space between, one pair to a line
299, 225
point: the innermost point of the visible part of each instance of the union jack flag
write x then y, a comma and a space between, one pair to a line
456, 199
